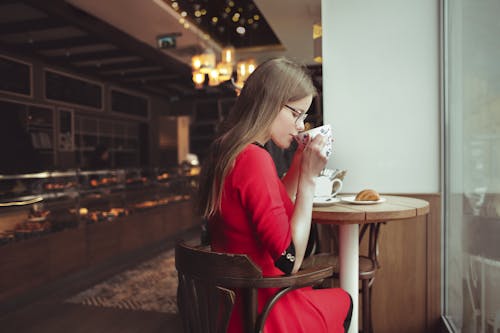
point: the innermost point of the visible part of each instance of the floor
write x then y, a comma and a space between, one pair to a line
56, 317
51, 315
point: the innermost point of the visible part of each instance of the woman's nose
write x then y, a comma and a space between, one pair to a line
300, 125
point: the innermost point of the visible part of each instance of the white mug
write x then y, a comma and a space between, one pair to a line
326, 187
325, 130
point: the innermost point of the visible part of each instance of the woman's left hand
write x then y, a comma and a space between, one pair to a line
313, 160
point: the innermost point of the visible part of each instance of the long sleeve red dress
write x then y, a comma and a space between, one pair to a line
255, 220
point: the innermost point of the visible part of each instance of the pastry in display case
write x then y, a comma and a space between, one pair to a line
36, 224
100, 216
142, 190
174, 185
102, 195
137, 177
99, 179
33, 205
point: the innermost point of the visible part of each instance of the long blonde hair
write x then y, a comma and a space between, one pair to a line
273, 84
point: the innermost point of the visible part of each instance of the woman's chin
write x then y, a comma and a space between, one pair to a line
284, 144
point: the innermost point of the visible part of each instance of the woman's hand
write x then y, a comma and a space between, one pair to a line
313, 160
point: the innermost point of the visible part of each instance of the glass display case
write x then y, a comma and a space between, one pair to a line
33, 205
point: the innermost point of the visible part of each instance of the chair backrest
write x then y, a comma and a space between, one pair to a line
374, 232
204, 300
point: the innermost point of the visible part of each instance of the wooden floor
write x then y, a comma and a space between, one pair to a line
50, 314
56, 317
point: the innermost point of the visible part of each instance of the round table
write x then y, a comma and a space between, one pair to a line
349, 217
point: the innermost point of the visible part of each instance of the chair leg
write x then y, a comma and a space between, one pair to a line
365, 293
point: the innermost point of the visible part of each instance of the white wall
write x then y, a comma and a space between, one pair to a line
381, 92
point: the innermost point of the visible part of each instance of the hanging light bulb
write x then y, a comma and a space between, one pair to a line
225, 71
196, 62
227, 55
207, 61
198, 79
213, 77
241, 73
251, 65
244, 69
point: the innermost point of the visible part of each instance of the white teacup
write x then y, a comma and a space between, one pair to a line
325, 130
326, 187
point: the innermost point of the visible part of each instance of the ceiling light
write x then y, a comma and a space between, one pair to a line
202, 64
241, 30
198, 79
244, 69
213, 77
207, 60
225, 71
196, 62
227, 54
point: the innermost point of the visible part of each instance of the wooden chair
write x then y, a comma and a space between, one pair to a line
207, 281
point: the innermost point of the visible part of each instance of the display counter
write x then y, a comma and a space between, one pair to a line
56, 223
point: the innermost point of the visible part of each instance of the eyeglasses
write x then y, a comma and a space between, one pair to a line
299, 116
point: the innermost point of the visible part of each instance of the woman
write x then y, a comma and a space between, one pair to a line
250, 210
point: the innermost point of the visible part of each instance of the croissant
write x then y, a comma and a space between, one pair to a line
367, 195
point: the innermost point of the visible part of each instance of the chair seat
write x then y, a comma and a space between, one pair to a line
367, 266
321, 259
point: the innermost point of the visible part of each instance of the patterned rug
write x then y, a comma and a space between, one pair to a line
150, 286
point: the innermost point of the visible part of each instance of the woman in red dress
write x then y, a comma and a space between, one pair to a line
251, 211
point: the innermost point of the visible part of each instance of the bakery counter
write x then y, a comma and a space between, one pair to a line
37, 261
54, 224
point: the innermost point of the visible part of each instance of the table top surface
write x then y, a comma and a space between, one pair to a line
394, 208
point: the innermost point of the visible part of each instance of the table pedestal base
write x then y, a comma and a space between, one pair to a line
349, 267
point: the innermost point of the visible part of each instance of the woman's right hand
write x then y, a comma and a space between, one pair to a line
313, 160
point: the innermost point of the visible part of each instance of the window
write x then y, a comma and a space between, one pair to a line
72, 90
472, 166
16, 76
132, 105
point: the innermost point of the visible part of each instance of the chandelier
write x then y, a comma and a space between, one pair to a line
205, 65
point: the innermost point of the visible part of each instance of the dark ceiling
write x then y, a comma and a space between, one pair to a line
238, 23
63, 36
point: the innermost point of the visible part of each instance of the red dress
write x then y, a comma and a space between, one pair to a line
255, 220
